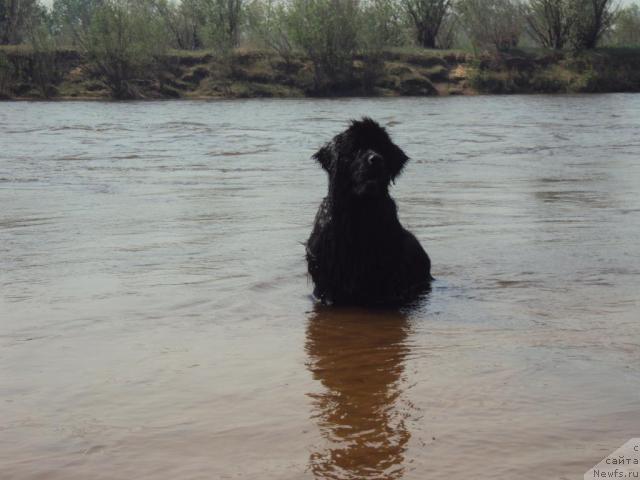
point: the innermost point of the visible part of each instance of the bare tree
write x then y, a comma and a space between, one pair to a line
549, 22
593, 18
427, 17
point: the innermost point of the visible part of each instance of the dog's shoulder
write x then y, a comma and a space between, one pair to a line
323, 216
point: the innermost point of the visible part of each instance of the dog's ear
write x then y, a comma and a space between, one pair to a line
397, 161
324, 156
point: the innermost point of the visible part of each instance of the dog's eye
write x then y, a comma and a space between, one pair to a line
374, 159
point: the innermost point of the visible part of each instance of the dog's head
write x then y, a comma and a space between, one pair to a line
362, 160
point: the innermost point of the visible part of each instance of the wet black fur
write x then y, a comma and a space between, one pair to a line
358, 252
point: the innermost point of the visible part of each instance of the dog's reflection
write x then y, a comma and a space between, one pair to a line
358, 356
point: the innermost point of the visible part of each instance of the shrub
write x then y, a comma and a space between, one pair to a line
45, 70
269, 23
327, 31
124, 45
626, 29
494, 24
6, 74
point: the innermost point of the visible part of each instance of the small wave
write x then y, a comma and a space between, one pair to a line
72, 158
84, 128
561, 180
516, 284
126, 157
27, 130
25, 222
237, 153
627, 211
18, 180
181, 124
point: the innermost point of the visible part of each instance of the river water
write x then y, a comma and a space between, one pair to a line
156, 319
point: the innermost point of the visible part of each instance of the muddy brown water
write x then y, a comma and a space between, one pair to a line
156, 319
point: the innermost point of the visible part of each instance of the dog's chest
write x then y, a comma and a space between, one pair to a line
364, 247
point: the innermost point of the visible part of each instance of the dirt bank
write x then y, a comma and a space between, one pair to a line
253, 73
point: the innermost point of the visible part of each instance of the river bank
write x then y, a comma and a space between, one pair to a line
395, 72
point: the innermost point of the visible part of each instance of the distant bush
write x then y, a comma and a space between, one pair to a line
327, 31
71, 19
222, 23
124, 45
269, 22
626, 29
184, 23
45, 69
6, 74
382, 24
496, 24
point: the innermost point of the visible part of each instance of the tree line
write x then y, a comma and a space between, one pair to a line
287, 24
125, 38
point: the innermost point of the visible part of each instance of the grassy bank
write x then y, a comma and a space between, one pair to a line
64, 74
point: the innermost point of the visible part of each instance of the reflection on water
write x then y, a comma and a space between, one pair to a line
358, 356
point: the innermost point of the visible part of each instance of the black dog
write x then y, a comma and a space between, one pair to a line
358, 252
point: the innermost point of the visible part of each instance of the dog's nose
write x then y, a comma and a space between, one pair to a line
374, 159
